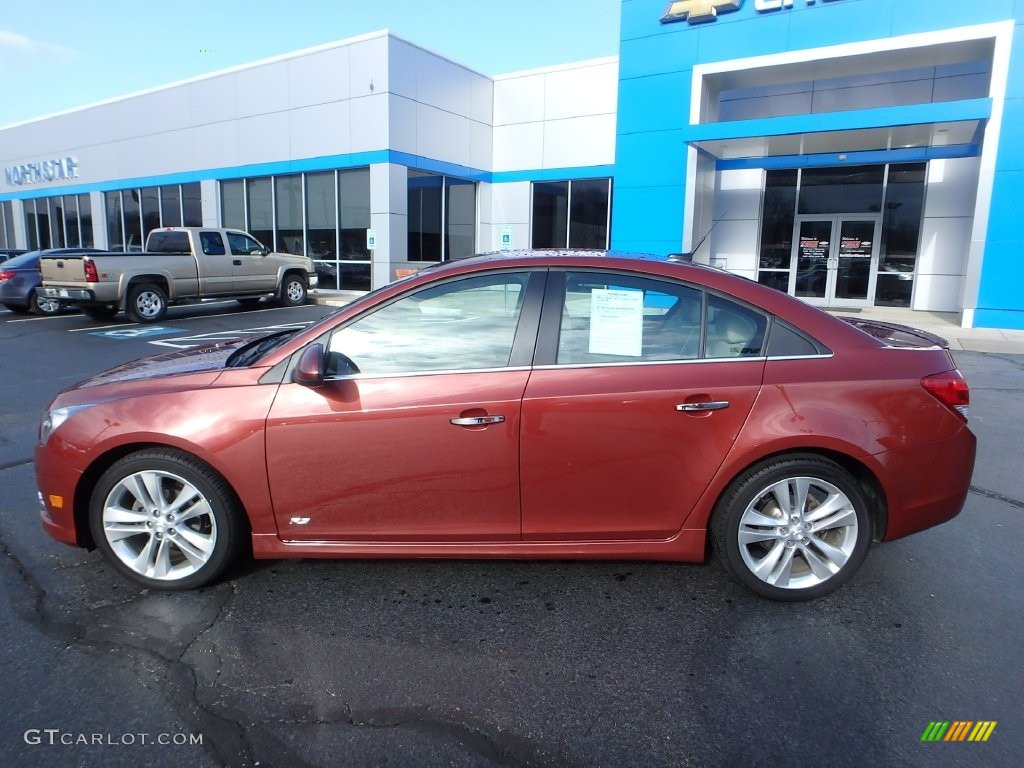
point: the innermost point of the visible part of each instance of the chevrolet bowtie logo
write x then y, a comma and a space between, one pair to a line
695, 11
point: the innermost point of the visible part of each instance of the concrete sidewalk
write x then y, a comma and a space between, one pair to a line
944, 324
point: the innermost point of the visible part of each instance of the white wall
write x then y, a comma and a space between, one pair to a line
557, 117
946, 234
323, 101
737, 210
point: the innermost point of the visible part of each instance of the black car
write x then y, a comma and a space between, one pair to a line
19, 278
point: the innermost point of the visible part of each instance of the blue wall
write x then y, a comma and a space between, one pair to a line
656, 65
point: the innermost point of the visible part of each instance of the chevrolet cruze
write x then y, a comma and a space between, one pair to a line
522, 405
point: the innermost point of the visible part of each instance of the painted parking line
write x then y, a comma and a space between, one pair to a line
135, 332
200, 339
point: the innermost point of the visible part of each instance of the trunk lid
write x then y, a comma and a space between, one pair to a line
896, 335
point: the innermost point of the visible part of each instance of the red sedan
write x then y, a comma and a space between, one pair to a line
523, 405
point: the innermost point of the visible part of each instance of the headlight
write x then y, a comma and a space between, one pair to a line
53, 419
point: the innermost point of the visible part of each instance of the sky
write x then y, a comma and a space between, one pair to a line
67, 54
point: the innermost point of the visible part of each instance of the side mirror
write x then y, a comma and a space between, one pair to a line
310, 369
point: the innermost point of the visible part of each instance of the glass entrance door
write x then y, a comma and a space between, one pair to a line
836, 260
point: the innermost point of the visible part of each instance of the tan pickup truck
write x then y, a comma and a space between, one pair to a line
179, 264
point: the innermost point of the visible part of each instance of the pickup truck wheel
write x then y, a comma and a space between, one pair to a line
100, 312
293, 291
147, 303
44, 306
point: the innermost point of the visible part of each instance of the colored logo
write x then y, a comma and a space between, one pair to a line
696, 11
958, 730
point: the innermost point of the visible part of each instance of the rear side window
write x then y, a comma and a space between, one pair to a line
212, 243
610, 318
786, 341
168, 242
733, 330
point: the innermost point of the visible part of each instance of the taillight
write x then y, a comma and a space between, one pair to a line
6, 275
91, 276
950, 389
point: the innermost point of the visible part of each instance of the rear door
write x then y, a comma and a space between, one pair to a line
640, 389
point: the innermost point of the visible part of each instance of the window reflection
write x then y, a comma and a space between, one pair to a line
571, 214
469, 324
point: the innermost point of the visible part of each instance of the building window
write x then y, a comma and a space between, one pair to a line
133, 213
778, 208
232, 204
442, 217
260, 206
354, 220
288, 203
571, 214
54, 222
845, 189
901, 233
6, 225
322, 215
896, 190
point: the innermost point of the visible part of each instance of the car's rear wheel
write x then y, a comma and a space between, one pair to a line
793, 528
100, 311
147, 303
166, 520
293, 291
41, 305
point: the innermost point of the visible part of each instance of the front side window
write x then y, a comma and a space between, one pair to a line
243, 244
463, 325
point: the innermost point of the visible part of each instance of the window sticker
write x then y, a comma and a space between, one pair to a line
616, 322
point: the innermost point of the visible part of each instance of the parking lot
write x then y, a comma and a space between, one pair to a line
475, 663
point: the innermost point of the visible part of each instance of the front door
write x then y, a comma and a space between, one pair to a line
835, 260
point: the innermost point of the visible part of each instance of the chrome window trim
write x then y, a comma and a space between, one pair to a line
407, 374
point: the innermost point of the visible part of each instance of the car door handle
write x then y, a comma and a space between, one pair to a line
237, 262
714, 405
477, 421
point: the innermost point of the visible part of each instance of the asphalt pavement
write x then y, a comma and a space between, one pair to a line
506, 663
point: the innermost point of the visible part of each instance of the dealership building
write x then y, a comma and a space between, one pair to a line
854, 153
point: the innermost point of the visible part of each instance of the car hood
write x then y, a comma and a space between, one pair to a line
196, 360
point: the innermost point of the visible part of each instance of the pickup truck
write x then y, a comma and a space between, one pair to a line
179, 264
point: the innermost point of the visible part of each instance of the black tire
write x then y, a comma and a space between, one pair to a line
167, 553
293, 291
100, 311
147, 303
40, 305
18, 309
250, 303
821, 558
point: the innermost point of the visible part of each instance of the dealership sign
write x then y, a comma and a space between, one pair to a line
697, 11
44, 170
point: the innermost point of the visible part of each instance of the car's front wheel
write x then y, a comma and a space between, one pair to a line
793, 528
293, 291
166, 520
